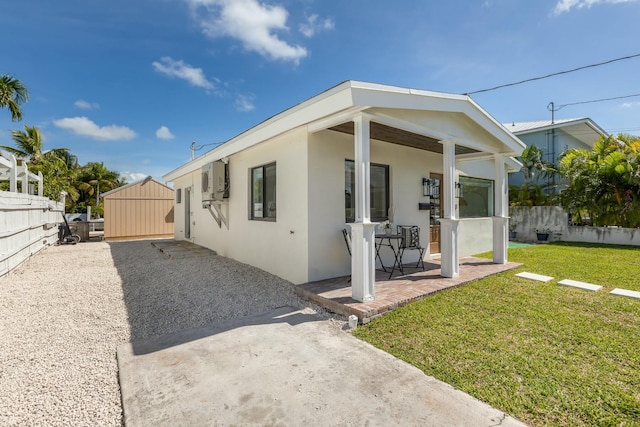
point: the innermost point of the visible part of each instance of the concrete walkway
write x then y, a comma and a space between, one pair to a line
285, 367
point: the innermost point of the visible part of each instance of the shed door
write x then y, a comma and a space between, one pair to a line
187, 213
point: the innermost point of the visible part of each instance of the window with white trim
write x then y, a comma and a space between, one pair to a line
478, 197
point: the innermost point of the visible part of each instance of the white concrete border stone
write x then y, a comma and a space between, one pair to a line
625, 293
581, 285
533, 276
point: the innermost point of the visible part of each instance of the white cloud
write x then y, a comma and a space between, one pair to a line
251, 22
85, 127
84, 105
133, 176
163, 132
312, 26
630, 104
244, 103
172, 68
566, 5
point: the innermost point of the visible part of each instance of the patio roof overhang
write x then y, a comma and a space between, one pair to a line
402, 137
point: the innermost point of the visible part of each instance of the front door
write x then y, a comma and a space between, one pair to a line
435, 215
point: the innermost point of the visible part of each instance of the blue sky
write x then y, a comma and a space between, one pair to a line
133, 82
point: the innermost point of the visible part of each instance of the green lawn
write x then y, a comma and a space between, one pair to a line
546, 354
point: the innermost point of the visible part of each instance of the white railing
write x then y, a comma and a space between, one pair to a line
28, 221
14, 173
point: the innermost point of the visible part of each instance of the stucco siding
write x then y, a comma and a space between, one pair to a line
328, 151
279, 247
475, 235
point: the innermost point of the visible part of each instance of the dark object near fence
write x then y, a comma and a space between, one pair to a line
65, 237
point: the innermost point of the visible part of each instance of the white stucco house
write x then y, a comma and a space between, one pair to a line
278, 195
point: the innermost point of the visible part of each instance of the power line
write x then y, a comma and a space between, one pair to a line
194, 148
554, 74
595, 100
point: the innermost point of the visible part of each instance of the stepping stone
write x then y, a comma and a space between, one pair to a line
625, 293
533, 276
581, 285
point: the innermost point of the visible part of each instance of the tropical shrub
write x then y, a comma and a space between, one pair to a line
604, 183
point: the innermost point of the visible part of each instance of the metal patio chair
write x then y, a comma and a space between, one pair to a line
410, 240
347, 241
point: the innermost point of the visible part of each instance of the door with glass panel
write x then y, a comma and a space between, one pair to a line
435, 215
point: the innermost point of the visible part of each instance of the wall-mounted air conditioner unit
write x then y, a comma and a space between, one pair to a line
215, 181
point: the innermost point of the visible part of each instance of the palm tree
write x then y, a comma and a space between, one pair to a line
12, 95
95, 178
57, 165
29, 146
28, 143
604, 183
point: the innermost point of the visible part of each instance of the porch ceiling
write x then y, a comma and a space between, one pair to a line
393, 135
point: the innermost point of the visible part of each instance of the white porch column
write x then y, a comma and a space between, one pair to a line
449, 260
363, 268
500, 218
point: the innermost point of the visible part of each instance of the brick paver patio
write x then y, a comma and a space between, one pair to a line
415, 284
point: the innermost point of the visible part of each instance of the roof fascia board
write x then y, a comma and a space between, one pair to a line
336, 99
512, 164
115, 190
586, 121
392, 97
488, 122
593, 125
351, 94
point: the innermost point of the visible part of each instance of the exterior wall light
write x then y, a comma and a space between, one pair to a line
428, 187
459, 190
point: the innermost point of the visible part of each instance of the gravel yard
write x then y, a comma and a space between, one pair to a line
64, 312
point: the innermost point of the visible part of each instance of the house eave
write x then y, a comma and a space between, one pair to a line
567, 126
345, 101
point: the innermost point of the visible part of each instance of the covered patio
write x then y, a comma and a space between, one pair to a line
457, 132
399, 290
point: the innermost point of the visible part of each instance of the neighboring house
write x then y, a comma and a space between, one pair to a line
553, 138
278, 195
143, 209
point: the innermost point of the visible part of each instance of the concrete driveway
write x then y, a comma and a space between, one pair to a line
285, 367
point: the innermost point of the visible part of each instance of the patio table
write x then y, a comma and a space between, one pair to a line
389, 239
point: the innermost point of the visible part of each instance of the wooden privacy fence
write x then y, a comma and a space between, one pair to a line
28, 221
